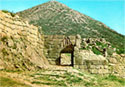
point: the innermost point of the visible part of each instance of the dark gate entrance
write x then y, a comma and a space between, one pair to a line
66, 56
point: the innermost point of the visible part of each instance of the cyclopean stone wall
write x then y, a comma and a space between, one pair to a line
55, 44
88, 61
117, 64
83, 59
21, 45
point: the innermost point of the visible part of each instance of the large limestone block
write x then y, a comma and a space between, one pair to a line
1, 26
19, 48
65, 59
94, 71
91, 58
103, 71
10, 43
78, 41
113, 60
77, 57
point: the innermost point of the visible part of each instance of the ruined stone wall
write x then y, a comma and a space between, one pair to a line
97, 64
54, 44
83, 59
89, 62
117, 64
21, 45
98, 45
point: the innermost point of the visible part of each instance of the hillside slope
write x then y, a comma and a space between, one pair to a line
57, 18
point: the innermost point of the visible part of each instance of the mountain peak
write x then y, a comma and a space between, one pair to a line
56, 18
54, 3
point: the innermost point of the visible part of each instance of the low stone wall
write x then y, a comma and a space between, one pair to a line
89, 62
21, 44
117, 65
82, 59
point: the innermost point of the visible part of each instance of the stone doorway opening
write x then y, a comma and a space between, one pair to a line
66, 56
66, 59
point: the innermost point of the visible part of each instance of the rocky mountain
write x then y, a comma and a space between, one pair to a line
57, 18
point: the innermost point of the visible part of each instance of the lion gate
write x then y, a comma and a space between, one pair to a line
65, 51
59, 49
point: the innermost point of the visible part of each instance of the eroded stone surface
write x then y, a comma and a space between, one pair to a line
21, 45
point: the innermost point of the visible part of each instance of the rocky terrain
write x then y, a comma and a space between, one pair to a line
58, 19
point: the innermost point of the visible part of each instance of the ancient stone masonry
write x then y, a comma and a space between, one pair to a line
21, 45
24, 47
83, 59
83, 56
55, 44
92, 63
86, 60
117, 65
97, 44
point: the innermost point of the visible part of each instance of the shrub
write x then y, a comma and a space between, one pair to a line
8, 82
96, 51
120, 51
110, 51
4, 51
4, 38
98, 43
5, 11
11, 13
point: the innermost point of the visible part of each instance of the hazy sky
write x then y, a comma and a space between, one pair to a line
110, 12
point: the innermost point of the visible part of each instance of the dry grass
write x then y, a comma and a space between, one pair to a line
58, 78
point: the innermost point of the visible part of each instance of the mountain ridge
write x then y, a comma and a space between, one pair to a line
57, 18
74, 10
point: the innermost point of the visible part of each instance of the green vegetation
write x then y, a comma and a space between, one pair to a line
110, 51
12, 71
77, 80
4, 51
8, 82
115, 79
120, 50
53, 79
4, 38
96, 51
63, 79
68, 54
58, 83
72, 79
5, 11
48, 79
111, 80
64, 21
102, 45
11, 13
14, 46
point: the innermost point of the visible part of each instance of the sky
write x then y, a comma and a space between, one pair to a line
109, 12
